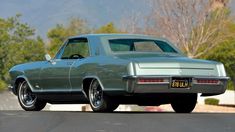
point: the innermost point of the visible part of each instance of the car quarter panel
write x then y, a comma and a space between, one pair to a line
107, 70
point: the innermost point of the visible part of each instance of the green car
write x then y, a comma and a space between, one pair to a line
106, 70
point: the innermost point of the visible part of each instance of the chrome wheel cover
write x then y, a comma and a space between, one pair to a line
26, 97
95, 94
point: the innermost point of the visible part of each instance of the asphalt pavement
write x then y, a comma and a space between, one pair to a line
13, 119
8, 101
47, 121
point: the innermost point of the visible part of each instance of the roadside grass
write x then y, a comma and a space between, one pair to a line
3, 85
212, 101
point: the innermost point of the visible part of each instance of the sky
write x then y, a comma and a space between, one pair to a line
45, 14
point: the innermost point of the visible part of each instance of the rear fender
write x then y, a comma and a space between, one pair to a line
84, 89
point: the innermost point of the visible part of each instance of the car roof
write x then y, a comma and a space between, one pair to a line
95, 37
118, 35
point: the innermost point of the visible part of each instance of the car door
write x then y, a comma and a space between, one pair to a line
55, 74
81, 67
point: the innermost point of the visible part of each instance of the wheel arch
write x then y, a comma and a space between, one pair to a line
86, 84
18, 80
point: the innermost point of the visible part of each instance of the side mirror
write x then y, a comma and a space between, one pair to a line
48, 57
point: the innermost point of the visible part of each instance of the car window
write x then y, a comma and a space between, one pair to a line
165, 47
76, 49
146, 46
140, 45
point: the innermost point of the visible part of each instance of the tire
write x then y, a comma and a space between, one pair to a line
185, 103
100, 102
29, 101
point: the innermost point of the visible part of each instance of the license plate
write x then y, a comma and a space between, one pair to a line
177, 82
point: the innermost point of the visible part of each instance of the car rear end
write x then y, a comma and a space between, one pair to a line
181, 75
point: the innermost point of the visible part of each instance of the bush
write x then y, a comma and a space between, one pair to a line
2, 85
230, 85
211, 101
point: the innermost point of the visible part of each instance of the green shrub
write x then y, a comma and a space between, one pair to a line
3, 85
211, 101
230, 85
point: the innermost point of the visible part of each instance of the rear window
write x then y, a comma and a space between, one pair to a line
140, 45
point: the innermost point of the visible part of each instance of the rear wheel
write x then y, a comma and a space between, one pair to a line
27, 99
98, 100
185, 103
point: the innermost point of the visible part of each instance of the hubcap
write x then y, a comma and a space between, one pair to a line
95, 94
26, 96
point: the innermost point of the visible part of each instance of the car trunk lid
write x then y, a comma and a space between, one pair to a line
171, 64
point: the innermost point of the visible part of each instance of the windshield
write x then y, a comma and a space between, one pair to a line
140, 45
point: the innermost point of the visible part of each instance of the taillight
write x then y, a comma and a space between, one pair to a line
151, 80
207, 81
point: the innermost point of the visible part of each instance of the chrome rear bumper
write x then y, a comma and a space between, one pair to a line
133, 86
